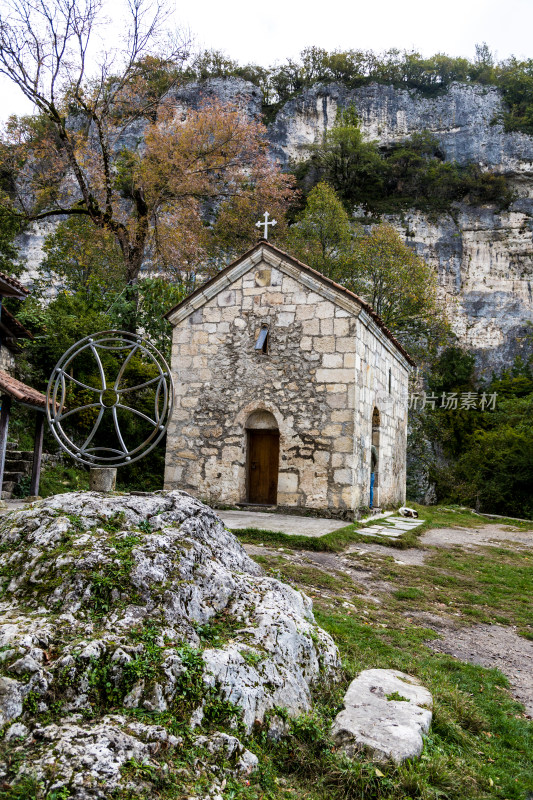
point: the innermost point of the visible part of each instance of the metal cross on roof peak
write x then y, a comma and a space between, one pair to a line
265, 223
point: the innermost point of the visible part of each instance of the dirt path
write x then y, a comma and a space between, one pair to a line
493, 646
488, 536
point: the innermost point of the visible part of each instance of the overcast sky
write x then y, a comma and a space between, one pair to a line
272, 30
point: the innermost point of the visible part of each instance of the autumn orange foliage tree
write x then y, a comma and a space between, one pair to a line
115, 147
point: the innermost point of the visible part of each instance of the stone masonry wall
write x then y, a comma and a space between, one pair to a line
372, 364
7, 360
319, 379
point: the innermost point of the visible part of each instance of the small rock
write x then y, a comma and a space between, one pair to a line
278, 728
25, 665
245, 760
156, 701
10, 700
133, 699
16, 731
386, 712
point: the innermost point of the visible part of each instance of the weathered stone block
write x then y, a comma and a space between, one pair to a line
311, 327
345, 415
344, 444
345, 345
324, 344
288, 482
349, 360
102, 479
276, 277
342, 476
334, 376
325, 310
285, 318
332, 360
305, 312
226, 298
341, 327
333, 430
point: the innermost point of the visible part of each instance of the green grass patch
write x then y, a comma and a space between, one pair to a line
490, 586
478, 735
457, 516
113, 578
408, 594
480, 743
334, 542
306, 577
60, 479
218, 630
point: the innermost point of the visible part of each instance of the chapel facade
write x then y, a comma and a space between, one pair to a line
289, 391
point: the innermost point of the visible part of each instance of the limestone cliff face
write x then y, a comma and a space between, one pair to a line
462, 119
483, 256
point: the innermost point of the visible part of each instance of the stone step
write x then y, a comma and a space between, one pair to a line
256, 507
17, 465
13, 476
391, 528
26, 455
391, 533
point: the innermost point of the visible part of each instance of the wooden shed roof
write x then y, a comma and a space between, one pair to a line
21, 392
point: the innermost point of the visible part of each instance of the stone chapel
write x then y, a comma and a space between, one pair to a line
289, 391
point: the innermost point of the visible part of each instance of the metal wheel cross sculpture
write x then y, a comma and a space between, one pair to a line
97, 423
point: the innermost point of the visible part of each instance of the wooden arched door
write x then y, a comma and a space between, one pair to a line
263, 458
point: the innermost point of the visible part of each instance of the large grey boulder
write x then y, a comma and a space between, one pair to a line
141, 601
385, 712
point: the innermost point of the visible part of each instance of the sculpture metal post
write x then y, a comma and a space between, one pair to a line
109, 401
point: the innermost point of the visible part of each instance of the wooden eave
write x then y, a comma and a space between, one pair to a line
11, 287
21, 392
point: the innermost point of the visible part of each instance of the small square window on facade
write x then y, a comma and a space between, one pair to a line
261, 344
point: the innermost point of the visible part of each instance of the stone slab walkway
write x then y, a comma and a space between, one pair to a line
293, 525
280, 523
393, 527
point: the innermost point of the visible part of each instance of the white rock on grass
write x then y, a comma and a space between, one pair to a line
114, 597
385, 712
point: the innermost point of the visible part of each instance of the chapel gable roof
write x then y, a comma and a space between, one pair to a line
265, 251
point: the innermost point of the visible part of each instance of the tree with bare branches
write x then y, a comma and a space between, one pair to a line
110, 142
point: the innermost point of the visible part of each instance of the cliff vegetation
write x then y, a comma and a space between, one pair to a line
402, 69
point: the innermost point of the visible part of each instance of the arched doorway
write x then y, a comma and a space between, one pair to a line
262, 458
374, 459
